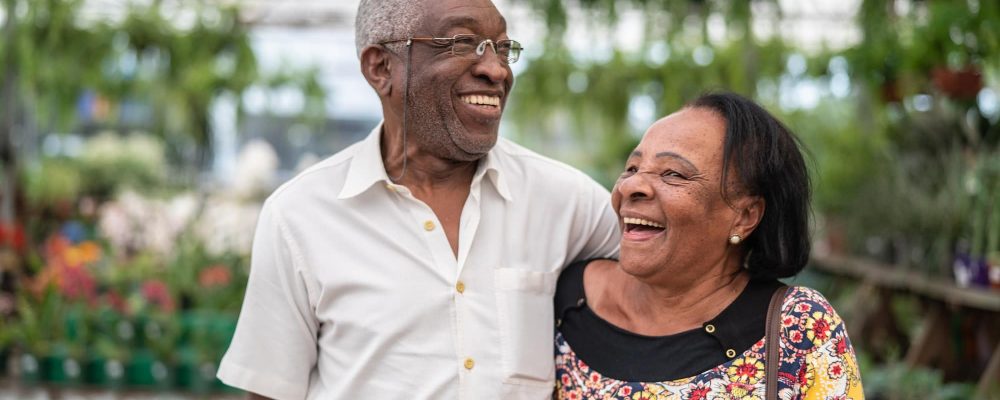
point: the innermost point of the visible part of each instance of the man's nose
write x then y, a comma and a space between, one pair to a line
490, 64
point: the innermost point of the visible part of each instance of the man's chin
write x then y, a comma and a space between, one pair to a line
475, 147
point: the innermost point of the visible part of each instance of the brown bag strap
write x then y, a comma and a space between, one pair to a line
772, 343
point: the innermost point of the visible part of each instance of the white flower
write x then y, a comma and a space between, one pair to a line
226, 226
257, 166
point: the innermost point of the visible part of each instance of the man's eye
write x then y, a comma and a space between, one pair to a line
465, 41
671, 174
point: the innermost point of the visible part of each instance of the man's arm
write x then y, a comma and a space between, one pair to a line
273, 350
601, 237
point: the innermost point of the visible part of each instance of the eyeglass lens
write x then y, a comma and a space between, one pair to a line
508, 50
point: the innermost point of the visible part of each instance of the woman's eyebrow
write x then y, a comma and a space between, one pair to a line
670, 154
677, 157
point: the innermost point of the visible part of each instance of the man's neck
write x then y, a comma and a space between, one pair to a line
422, 170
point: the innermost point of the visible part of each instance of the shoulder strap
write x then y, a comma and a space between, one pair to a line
772, 345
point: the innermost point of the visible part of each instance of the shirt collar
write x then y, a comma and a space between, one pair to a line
492, 168
367, 168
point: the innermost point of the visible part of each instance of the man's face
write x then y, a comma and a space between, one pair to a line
455, 103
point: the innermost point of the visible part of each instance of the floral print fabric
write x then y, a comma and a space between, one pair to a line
817, 362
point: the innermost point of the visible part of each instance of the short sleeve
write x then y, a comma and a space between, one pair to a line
273, 351
815, 334
600, 234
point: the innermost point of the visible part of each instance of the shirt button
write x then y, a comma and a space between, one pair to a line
460, 287
429, 226
730, 353
710, 328
469, 363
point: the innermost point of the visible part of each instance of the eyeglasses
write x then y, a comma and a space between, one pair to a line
472, 46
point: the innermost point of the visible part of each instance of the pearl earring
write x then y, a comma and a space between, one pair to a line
735, 239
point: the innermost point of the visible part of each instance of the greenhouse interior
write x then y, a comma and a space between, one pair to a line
140, 138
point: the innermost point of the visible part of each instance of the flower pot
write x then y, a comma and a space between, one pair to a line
962, 269
959, 84
980, 273
29, 368
198, 378
60, 370
4, 361
994, 270
146, 370
100, 371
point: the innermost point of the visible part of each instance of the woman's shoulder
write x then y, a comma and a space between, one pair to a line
808, 320
569, 287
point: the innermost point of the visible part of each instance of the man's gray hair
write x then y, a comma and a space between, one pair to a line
382, 20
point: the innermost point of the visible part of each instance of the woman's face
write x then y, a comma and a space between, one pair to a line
673, 218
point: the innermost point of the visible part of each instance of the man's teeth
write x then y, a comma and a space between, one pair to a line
482, 100
640, 221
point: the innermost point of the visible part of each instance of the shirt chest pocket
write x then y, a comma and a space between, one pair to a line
524, 308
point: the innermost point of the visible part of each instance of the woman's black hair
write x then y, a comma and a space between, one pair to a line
766, 157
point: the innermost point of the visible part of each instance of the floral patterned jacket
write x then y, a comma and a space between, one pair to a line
817, 362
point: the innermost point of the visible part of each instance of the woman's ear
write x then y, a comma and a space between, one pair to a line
750, 210
376, 67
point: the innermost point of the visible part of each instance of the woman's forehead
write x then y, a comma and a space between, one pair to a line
690, 132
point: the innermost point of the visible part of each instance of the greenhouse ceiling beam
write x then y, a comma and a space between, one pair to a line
265, 13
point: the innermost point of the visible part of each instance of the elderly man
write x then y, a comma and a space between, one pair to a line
419, 263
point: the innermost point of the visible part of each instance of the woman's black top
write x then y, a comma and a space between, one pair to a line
623, 355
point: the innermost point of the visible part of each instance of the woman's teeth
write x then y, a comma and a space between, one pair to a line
640, 221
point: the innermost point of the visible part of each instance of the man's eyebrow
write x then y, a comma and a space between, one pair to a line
469, 22
670, 154
459, 21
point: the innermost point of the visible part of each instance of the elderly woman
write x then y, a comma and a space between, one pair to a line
713, 207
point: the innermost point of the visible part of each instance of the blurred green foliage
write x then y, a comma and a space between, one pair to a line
56, 55
891, 155
897, 381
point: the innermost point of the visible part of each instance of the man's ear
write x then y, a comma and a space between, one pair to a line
376, 67
750, 210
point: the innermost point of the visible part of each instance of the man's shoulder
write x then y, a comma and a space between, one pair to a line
326, 175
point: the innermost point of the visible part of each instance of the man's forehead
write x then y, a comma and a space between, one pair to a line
461, 14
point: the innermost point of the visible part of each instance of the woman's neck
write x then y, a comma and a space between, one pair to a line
658, 310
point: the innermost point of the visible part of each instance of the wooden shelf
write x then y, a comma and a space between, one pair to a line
891, 277
943, 301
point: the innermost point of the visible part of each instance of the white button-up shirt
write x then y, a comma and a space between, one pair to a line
354, 290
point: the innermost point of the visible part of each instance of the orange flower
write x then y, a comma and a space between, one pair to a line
214, 276
55, 246
89, 251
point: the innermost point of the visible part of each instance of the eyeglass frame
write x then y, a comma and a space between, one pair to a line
480, 48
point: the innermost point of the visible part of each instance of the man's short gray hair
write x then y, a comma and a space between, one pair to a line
382, 20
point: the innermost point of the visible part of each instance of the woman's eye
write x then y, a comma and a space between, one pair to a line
672, 174
630, 171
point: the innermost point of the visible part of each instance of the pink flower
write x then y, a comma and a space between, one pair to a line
77, 284
158, 293
116, 301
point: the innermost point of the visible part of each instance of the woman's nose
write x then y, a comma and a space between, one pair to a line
635, 186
